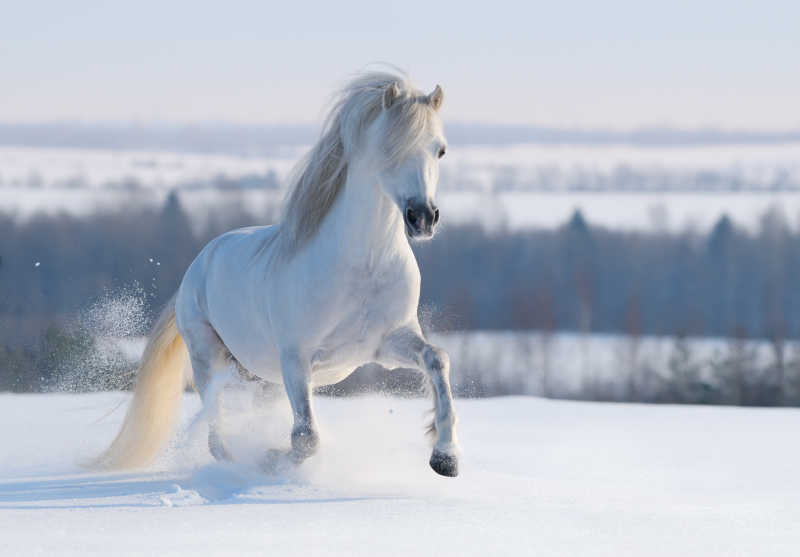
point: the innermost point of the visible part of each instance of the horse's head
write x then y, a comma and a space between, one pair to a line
380, 126
409, 142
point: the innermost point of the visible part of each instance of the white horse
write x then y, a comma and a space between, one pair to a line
334, 285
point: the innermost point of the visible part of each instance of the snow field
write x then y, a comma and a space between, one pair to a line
514, 186
538, 477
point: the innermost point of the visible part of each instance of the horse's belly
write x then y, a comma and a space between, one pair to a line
331, 376
335, 369
258, 355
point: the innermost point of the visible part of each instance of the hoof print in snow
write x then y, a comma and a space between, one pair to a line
444, 464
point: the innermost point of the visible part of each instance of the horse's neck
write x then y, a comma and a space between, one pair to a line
364, 222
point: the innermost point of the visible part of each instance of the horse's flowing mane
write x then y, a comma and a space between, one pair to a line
321, 174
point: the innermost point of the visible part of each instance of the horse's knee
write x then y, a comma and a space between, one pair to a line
436, 360
305, 441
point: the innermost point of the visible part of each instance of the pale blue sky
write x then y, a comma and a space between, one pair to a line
616, 64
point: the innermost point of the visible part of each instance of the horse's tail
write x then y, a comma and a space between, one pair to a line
155, 408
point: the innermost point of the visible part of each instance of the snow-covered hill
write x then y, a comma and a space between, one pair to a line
538, 478
519, 186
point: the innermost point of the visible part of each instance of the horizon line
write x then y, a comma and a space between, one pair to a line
224, 136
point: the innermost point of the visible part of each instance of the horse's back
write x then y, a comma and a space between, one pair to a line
228, 254
224, 288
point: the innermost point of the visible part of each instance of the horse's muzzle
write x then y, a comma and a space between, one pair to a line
421, 218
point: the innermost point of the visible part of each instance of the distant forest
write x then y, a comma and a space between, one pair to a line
577, 277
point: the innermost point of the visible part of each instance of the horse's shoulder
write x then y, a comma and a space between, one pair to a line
245, 237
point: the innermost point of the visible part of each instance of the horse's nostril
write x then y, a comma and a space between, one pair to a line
435, 216
411, 216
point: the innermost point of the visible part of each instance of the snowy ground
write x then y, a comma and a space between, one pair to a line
538, 477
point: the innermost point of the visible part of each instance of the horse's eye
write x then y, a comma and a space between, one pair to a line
442, 151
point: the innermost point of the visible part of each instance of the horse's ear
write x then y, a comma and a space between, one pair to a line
390, 95
435, 99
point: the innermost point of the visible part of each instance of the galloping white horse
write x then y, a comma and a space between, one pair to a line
334, 285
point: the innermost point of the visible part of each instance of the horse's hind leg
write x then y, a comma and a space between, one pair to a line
297, 380
213, 400
210, 360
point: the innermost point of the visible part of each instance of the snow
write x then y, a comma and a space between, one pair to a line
556, 167
537, 477
513, 361
67, 168
517, 210
560, 167
516, 186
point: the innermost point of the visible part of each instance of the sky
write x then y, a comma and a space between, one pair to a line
610, 64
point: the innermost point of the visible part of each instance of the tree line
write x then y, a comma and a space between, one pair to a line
728, 282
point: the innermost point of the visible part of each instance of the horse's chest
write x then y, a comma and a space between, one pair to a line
376, 303
372, 305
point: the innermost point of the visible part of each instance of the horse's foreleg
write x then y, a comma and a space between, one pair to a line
297, 380
406, 347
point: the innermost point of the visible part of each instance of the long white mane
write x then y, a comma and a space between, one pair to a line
321, 174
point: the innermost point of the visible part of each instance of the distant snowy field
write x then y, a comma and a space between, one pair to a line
560, 363
538, 478
517, 186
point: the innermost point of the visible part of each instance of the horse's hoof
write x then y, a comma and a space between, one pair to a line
305, 442
444, 464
